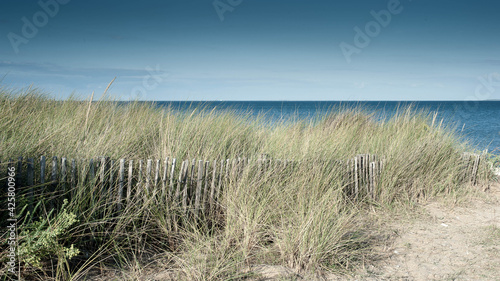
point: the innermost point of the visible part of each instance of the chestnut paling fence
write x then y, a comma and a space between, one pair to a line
194, 186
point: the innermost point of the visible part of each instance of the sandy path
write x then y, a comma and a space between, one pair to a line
460, 243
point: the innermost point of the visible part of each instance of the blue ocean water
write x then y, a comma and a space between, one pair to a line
477, 121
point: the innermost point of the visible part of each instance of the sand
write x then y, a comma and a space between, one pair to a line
459, 243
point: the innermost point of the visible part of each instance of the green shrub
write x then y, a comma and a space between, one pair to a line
41, 240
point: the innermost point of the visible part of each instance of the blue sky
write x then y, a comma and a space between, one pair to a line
254, 49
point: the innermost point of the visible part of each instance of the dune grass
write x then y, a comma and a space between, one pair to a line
299, 218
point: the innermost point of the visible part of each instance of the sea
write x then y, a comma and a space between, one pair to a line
476, 121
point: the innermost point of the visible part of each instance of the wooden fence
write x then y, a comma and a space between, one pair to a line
194, 184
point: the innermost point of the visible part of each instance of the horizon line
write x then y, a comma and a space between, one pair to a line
487, 100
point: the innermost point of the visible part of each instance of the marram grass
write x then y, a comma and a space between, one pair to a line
299, 218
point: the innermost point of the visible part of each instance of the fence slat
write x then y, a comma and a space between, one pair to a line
30, 171
180, 181
220, 181
138, 190
73, 175
356, 178
111, 169
206, 175
64, 176
157, 175
187, 186
103, 180
53, 178
92, 171
372, 180
172, 178
192, 183
182, 173
367, 173
361, 173
130, 178
187, 182
148, 176
234, 168
199, 185
121, 179
211, 202
164, 179
347, 176
42, 169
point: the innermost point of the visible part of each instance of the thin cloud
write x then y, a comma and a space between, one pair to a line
490, 62
50, 69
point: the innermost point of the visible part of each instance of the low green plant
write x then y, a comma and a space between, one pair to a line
43, 240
